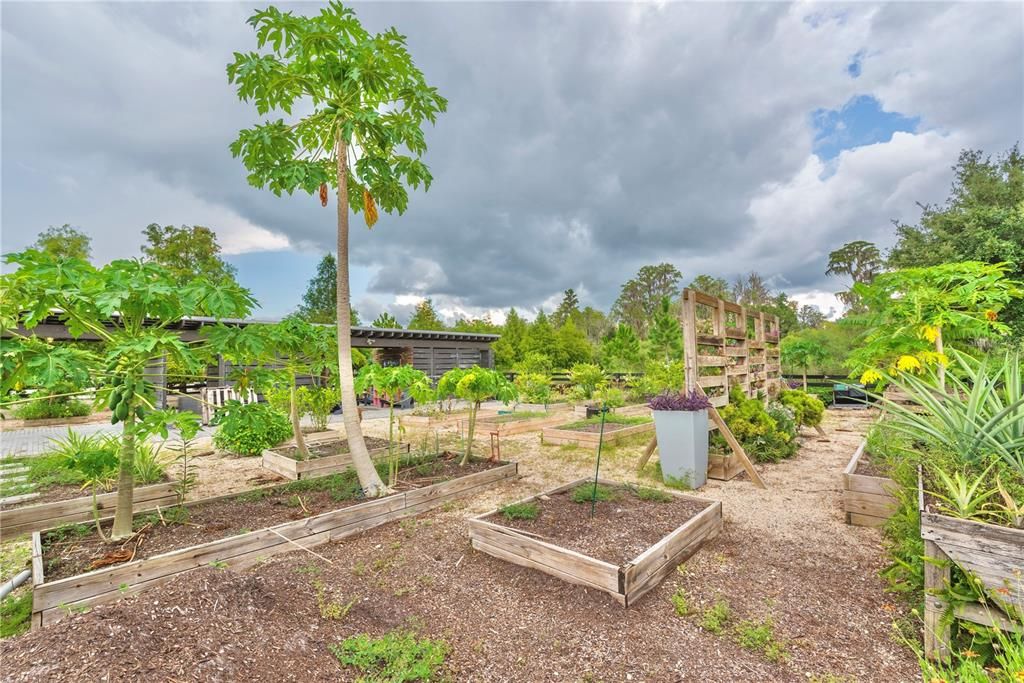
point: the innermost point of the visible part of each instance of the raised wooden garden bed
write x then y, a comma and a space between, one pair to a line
279, 460
992, 554
52, 600
506, 425
28, 518
868, 499
612, 432
444, 420
723, 466
632, 410
12, 424
626, 582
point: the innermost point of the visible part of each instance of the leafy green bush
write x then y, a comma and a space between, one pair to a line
45, 408
520, 511
586, 379
767, 434
94, 458
587, 492
808, 410
612, 397
534, 387
251, 428
395, 657
659, 378
318, 403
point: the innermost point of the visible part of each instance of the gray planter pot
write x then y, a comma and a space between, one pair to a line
683, 445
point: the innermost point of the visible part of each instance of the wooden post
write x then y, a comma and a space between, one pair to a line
936, 578
690, 339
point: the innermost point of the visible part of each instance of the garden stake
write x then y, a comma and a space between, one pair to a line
597, 470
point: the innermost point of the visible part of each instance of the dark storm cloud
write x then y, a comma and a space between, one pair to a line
581, 142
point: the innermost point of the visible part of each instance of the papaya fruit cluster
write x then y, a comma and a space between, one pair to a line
120, 399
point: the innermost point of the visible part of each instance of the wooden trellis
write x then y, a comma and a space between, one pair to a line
724, 346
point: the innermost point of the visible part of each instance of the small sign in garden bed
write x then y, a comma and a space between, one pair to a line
326, 457
636, 538
587, 432
73, 568
868, 495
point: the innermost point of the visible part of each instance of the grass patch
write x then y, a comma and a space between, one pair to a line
759, 636
716, 617
521, 511
15, 614
653, 495
610, 418
585, 493
395, 657
680, 602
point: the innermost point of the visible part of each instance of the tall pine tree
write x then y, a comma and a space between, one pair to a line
426, 317
569, 309
666, 338
319, 302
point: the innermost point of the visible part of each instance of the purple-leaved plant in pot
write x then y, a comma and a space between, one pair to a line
681, 423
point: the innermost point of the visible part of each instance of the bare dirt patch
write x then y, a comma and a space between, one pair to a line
620, 529
325, 449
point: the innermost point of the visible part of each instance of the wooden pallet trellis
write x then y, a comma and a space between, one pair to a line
724, 346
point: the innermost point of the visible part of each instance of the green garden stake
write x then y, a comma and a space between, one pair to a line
597, 470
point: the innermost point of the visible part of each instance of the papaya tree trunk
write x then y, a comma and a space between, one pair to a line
125, 479
361, 461
300, 440
942, 365
473, 408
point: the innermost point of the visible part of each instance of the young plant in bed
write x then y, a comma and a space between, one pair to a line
476, 385
129, 306
392, 383
293, 347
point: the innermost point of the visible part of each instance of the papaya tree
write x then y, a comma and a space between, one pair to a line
476, 385
802, 353
392, 383
913, 314
363, 105
128, 305
282, 352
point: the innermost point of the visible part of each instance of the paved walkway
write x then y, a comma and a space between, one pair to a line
37, 440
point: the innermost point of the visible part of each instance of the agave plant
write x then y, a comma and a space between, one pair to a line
980, 413
962, 496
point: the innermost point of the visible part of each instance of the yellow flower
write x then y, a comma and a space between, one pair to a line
1020, 675
870, 377
929, 332
908, 364
936, 679
969, 654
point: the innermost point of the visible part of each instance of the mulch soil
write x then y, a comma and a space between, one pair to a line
324, 449
620, 529
783, 554
608, 427
869, 468
58, 492
67, 555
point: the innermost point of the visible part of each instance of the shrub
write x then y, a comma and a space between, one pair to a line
46, 408
767, 434
587, 492
520, 511
534, 387
318, 403
586, 379
395, 657
251, 428
611, 397
807, 410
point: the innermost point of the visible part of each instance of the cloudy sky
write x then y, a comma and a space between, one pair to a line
582, 141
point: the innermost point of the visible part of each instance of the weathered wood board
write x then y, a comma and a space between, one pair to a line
626, 583
723, 467
511, 428
52, 600
290, 468
29, 518
554, 435
994, 555
867, 500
